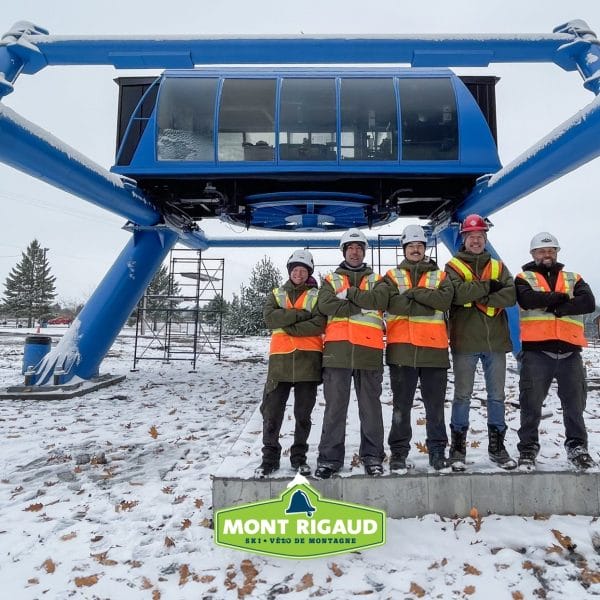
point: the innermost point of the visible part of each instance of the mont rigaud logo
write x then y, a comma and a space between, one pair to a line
300, 524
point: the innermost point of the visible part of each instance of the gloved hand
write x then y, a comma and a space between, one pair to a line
303, 315
557, 298
495, 286
410, 294
560, 310
342, 295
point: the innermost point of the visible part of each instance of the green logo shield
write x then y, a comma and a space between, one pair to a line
300, 524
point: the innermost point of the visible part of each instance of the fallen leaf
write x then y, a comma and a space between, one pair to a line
68, 536
126, 505
421, 447
155, 595
167, 490
517, 595
179, 499
421, 421
86, 581
103, 559
554, 548
49, 565
199, 503
470, 589
206, 523
471, 570
475, 444
184, 574
33, 581
564, 540
336, 570
34, 507
207, 578
153, 432
185, 523
416, 589
473, 513
146, 583
540, 517
169, 543
305, 582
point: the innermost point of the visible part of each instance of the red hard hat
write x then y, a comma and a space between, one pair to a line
474, 223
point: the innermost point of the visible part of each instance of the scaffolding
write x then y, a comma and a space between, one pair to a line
186, 320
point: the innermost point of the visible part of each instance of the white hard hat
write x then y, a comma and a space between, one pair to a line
413, 233
301, 258
543, 240
354, 236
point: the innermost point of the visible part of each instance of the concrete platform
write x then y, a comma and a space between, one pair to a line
453, 495
59, 392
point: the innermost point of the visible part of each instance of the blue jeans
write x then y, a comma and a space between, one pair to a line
494, 370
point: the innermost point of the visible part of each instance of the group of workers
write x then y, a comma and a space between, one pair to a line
416, 312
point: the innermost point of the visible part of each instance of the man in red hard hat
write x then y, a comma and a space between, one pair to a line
483, 288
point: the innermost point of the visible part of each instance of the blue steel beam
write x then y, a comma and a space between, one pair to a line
36, 152
567, 147
290, 242
92, 333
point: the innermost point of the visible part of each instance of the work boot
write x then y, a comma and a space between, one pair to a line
265, 469
580, 458
438, 461
496, 450
398, 464
300, 466
323, 472
458, 450
527, 460
374, 470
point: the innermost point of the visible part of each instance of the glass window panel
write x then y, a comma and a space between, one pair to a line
247, 120
429, 123
186, 119
307, 122
369, 124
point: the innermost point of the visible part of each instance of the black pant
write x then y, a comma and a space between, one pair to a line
273, 410
403, 382
537, 372
336, 388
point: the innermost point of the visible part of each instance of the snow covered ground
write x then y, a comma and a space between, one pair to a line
109, 496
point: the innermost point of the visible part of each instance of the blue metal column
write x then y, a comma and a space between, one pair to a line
93, 332
453, 241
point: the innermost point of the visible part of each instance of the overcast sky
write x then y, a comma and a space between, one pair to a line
79, 106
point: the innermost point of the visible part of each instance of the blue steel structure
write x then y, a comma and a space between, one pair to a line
138, 188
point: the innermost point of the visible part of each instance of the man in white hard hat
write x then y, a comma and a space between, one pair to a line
294, 361
553, 302
483, 288
353, 352
417, 348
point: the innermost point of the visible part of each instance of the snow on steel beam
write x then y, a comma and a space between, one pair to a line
34, 151
36, 50
563, 150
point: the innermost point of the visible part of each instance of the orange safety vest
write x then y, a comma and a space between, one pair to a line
491, 271
365, 328
537, 325
284, 343
429, 332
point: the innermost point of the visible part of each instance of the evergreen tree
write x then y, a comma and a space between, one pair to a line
214, 310
161, 295
29, 288
248, 319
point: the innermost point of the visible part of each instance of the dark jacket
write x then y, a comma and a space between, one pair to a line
418, 302
470, 329
299, 365
581, 303
346, 355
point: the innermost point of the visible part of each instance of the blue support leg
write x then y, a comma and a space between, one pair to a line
92, 333
452, 240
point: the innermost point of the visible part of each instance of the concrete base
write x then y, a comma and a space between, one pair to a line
453, 495
59, 392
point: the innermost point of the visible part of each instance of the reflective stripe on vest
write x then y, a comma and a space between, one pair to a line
537, 325
428, 332
363, 329
491, 270
284, 343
